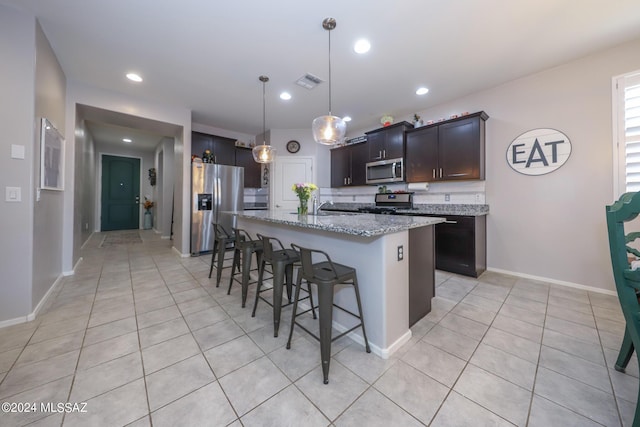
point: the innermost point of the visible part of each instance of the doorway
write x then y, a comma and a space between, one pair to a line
289, 171
120, 193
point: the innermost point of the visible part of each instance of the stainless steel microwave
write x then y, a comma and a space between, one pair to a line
391, 170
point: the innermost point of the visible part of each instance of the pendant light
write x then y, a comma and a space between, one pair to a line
328, 130
264, 153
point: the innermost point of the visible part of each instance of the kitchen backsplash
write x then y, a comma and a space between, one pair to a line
471, 193
256, 195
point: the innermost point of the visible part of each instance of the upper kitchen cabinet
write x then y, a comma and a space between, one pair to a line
252, 169
348, 165
387, 142
453, 150
222, 149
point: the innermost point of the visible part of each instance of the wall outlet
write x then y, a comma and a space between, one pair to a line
478, 198
400, 253
447, 197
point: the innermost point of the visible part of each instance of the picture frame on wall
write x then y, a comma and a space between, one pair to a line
51, 157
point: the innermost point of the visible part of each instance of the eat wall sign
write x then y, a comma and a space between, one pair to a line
539, 151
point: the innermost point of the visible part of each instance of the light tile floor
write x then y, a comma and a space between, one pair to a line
145, 338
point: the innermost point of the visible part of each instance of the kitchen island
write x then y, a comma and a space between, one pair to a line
393, 256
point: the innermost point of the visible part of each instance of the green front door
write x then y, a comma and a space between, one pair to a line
120, 193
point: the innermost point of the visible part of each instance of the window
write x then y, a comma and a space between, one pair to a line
626, 115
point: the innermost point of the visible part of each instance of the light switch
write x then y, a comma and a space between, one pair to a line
13, 194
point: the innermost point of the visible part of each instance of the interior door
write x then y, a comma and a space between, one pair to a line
120, 193
289, 171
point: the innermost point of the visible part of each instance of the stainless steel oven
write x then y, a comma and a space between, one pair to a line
391, 170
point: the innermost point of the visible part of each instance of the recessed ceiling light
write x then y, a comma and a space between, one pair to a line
127, 140
134, 77
285, 96
422, 91
346, 118
362, 46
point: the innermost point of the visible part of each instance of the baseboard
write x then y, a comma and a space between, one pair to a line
44, 299
14, 321
384, 353
73, 271
180, 253
88, 240
554, 281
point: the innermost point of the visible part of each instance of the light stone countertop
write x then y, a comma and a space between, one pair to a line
419, 209
357, 224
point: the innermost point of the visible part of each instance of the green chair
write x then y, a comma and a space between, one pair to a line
627, 280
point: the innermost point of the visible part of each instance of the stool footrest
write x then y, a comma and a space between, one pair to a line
332, 338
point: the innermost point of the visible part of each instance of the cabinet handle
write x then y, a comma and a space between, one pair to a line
349, 180
450, 222
434, 174
384, 154
344, 181
440, 172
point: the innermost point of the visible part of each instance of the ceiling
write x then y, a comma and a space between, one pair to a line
207, 55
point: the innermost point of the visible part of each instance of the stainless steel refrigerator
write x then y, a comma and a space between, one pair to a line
214, 189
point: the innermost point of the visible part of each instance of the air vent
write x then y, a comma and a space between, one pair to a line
309, 81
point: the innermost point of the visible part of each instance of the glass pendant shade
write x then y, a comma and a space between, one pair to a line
263, 153
328, 130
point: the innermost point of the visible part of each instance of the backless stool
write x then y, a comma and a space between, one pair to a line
245, 247
282, 261
222, 239
326, 275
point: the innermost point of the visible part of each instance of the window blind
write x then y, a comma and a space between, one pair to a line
632, 132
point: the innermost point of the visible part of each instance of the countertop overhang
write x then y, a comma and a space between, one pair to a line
360, 224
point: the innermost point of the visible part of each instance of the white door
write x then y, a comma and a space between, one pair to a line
286, 172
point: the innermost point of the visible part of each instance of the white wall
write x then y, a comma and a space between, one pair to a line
308, 148
552, 226
33, 86
17, 50
50, 88
164, 190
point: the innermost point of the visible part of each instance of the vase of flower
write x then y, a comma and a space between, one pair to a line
148, 218
303, 191
303, 209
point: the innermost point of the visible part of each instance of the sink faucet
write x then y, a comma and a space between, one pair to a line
322, 205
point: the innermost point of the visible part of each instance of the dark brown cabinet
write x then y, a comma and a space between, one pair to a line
448, 151
222, 149
461, 245
348, 165
252, 169
387, 142
225, 152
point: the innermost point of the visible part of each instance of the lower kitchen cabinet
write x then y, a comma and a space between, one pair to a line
461, 245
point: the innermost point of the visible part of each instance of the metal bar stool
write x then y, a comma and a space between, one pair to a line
282, 262
220, 242
245, 247
325, 275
